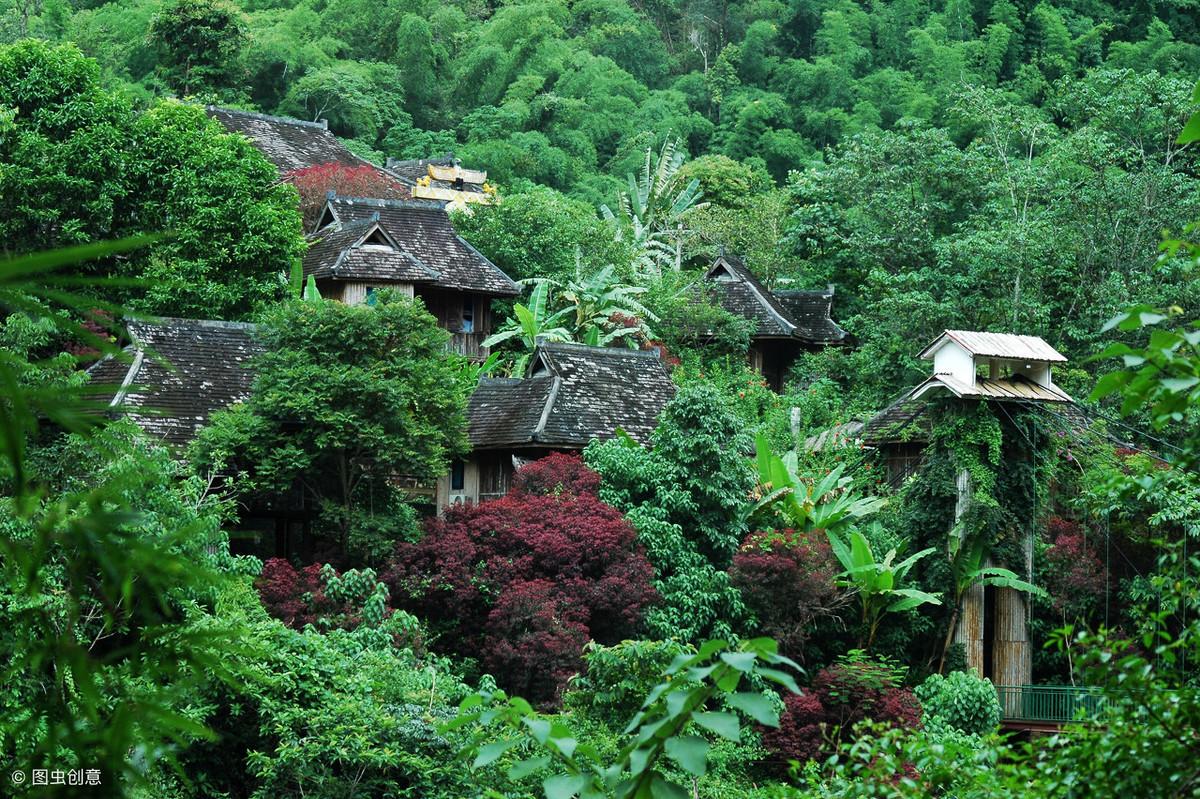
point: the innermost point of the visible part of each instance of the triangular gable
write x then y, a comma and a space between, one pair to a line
742, 294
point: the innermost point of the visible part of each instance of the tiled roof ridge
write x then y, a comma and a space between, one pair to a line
218, 324
320, 125
603, 351
443, 160
822, 293
379, 202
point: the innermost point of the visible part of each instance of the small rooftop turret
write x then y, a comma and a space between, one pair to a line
1000, 366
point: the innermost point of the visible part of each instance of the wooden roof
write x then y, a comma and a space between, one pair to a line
177, 372
289, 144
423, 231
1017, 387
348, 252
293, 144
802, 315
571, 394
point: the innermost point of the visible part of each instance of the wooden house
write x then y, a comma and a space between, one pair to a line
569, 395
361, 245
785, 323
170, 379
970, 366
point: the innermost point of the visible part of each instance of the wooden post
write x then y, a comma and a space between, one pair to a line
1012, 659
969, 631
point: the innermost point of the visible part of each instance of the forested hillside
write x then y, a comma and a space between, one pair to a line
621, 475
960, 164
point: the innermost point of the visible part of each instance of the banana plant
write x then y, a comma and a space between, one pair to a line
829, 502
967, 569
530, 323
877, 582
652, 215
594, 299
300, 288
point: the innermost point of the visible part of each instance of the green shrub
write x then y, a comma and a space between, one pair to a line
617, 678
963, 701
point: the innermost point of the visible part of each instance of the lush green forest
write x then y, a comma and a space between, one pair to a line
721, 611
957, 165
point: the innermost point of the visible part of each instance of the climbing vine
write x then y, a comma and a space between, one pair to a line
1009, 456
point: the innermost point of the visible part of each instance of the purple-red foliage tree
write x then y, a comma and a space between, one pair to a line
522, 582
1075, 577
856, 689
789, 580
294, 597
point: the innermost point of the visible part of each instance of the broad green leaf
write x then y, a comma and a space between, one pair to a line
724, 724
539, 729
690, 752
1191, 131
489, 753
526, 767
780, 677
756, 706
742, 661
660, 788
1178, 385
563, 786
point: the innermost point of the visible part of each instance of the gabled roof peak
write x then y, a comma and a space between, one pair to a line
791, 314
424, 232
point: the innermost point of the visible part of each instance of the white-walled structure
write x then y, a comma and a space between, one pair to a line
1001, 366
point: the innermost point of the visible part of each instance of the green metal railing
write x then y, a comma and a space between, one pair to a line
1053, 704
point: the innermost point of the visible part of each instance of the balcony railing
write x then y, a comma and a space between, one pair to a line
1053, 704
468, 344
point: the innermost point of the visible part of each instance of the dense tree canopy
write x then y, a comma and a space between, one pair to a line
1000, 165
78, 164
346, 399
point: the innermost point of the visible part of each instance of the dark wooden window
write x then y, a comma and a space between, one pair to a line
495, 471
458, 475
468, 315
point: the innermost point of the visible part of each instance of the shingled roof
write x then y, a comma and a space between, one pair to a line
363, 251
289, 144
800, 315
177, 372
422, 229
572, 394
810, 311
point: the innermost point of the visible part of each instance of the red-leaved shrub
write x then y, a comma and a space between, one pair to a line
321, 596
1074, 576
789, 580
294, 597
522, 582
557, 473
315, 182
853, 690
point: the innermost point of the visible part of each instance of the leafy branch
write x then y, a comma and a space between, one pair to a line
659, 731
